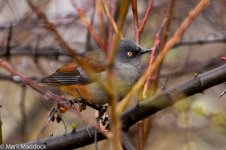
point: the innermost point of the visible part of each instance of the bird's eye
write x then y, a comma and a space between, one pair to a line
129, 54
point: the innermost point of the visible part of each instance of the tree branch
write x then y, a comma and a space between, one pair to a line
197, 84
201, 42
76, 139
144, 109
29, 51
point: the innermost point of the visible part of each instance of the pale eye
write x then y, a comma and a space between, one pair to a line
129, 54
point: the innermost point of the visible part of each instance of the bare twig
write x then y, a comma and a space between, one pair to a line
135, 20
141, 28
110, 29
88, 36
39, 52
153, 55
201, 42
49, 26
89, 26
123, 9
163, 42
110, 17
101, 17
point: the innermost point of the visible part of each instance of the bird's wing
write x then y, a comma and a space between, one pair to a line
72, 74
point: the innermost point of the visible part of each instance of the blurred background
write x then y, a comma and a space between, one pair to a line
197, 122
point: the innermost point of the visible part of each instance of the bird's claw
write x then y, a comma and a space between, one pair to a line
102, 118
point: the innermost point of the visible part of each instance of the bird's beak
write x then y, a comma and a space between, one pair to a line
143, 50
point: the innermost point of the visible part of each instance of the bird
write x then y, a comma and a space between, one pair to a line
130, 62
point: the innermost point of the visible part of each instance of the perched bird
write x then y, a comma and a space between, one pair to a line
129, 64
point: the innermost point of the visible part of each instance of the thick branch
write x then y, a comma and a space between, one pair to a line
76, 139
144, 109
167, 98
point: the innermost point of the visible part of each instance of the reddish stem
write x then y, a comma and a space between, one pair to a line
110, 35
146, 16
89, 27
135, 20
153, 52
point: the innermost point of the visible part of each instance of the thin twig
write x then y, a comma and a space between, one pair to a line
110, 17
135, 20
102, 24
123, 9
141, 28
164, 37
88, 36
89, 26
110, 29
153, 55
28, 51
49, 26
201, 42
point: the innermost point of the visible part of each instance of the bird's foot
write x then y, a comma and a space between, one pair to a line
102, 118
103, 121
102, 109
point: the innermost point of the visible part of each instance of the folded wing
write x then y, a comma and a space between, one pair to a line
72, 74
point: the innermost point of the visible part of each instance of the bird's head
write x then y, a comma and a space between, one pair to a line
130, 52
